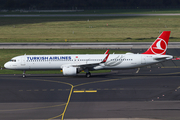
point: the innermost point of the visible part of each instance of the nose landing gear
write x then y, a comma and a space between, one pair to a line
24, 74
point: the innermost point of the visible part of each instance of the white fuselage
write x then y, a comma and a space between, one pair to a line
114, 61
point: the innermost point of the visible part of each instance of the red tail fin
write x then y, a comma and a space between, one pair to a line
160, 44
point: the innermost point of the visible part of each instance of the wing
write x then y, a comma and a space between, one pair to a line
106, 51
92, 64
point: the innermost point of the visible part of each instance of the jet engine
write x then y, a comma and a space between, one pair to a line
69, 70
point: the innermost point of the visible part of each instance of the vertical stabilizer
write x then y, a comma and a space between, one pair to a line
160, 44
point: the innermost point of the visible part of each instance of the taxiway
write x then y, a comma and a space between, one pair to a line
151, 93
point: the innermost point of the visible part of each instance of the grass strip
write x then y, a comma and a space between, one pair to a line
88, 29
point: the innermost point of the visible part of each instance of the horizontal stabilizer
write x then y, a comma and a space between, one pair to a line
163, 57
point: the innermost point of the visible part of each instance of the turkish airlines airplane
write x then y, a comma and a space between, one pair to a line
74, 64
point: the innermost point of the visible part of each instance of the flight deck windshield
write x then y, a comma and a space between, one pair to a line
12, 60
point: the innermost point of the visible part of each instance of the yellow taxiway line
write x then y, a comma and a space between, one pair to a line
83, 91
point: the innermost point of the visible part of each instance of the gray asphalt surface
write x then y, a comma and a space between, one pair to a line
88, 15
91, 45
152, 93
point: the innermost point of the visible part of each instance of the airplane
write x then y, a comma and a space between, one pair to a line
73, 64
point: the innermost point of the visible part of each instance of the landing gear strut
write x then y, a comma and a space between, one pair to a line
88, 74
24, 75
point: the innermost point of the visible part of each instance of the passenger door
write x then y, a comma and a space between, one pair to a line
23, 61
143, 59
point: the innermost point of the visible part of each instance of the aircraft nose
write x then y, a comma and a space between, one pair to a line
6, 65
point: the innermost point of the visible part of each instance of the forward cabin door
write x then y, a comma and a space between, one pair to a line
23, 63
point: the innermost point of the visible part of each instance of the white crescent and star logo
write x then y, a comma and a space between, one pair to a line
159, 47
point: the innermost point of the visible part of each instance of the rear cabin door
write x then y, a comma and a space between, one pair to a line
143, 59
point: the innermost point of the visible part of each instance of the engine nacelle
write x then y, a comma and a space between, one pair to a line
69, 70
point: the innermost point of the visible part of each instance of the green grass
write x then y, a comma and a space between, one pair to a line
7, 54
5, 71
78, 29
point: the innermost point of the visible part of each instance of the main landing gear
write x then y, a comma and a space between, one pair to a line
88, 74
24, 74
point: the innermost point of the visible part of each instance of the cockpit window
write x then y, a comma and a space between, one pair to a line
12, 60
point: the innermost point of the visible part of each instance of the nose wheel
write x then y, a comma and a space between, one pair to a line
24, 74
88, 74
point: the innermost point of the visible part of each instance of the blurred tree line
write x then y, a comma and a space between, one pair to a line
86, 4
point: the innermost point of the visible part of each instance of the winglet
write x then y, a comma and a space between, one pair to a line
106, 51
105, 59
160, 44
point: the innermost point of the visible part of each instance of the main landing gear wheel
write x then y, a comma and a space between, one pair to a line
88, 75
24, 76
